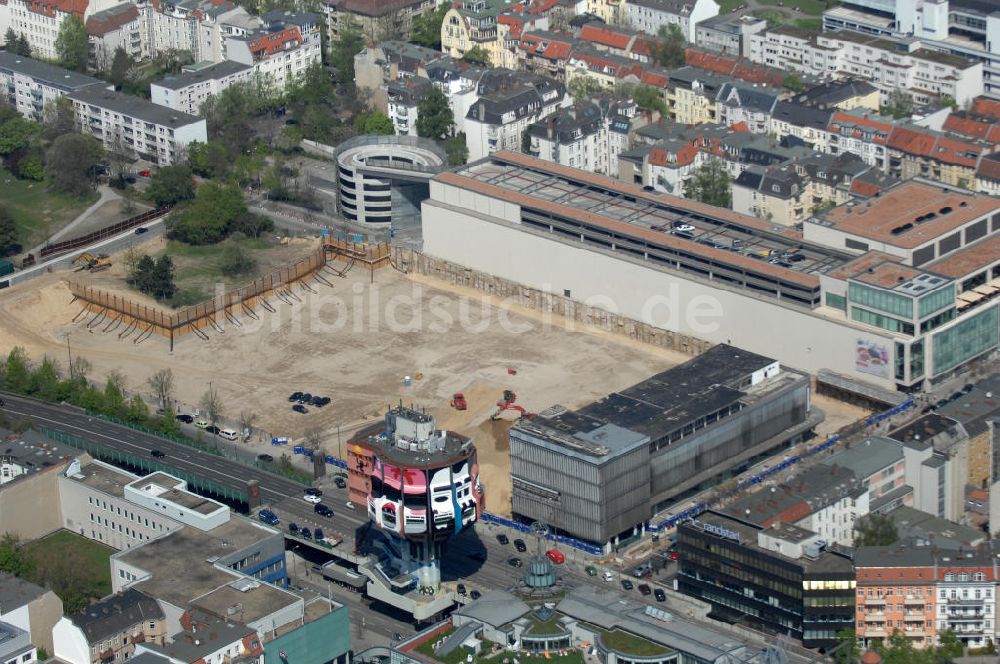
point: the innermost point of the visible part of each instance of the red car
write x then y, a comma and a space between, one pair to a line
458, 401
144, 173
556, 556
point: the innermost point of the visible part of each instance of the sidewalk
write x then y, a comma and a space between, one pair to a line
106, 194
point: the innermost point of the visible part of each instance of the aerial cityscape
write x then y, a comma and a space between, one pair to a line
499, 331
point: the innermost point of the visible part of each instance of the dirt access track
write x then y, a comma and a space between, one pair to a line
355, 342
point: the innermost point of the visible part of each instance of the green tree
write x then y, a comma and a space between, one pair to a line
121, 68
583, 87
477, 55
59, 118
17, 371
649, 98
875, 530
167, 423
68, 163
209, 160
114, 400
162, 279
235, 260
170, 185
899, 650
949, 647
793, 83
44, 381
10, 240
211, 216
434, 116
142, 276
137, 411
348, 43
73, 43
427, 27
23, 47
848, 651
17, 134
12, 557
10, 39
30, 166
312, 87
457, 149
899, 104
162, 384
709, 183
668, 51
377, 123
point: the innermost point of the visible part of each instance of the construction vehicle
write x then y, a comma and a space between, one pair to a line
509, 397
91, 262
458, 401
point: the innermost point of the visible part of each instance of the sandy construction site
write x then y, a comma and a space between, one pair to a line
355, 342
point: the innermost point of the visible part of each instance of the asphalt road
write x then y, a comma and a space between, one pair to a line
74, 422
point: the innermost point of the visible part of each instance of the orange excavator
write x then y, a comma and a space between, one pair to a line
509, 397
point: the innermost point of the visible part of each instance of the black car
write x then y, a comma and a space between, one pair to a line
186, 419
645, 589
323, 401
660, 595
305, 398
306, 533
313, 491
461, 589
514, 562
266, 458
475, 594
299, 408
157, 454
293, 528
340, 482
520, 546
318, 534
626, 584
212, 429
967, 388
503, 539
141, 230
295, 396
323, 510
317, 400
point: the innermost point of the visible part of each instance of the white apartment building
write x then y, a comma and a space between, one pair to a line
40, 21
123, 26
509, 102
187, 91
138, 127
926, 74
648, 15
30, 85
967, 28
282, 52
588, 135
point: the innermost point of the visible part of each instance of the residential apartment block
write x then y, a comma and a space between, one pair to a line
492, 25
588, 135
135, 126
649, 15
109, 631
281, 50
966, 28
508, 103
925, 74
32, 86
29, 607
377, 21
124, 27
187, 91
728, 33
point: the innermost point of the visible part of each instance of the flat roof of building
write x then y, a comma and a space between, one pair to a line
625, 210
164, 487
245, 599
202, 74
975, 408
909, 214
104, 478
135, 107
662, 403
913, 524
868, 457
178, 561
42, 71
970, 258
15, 592
34, 452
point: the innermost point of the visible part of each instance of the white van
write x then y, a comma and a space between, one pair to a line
608, 577
228, 434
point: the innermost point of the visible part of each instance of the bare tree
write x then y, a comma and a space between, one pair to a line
314, 438
117, 379
79, 368
211, 404
247, 419
162, 383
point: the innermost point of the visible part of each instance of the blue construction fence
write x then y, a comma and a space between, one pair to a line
560, 539
697, 509
311, 454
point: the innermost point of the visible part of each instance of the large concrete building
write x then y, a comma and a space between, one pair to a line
32, 608
31, 85
603, 470
898, 291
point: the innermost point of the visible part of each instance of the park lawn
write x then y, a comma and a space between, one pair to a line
814, 7
37, 212
90, 564
629, 644
727, 6
198, 268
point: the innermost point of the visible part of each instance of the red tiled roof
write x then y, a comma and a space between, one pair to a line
989, 169
863, 188
960, 153
605, 37
684, 157
735, 67
50, 7
911, 140
643, 46
987, 107
274, 42
554, 49
99, 27
542, 6
981, 127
